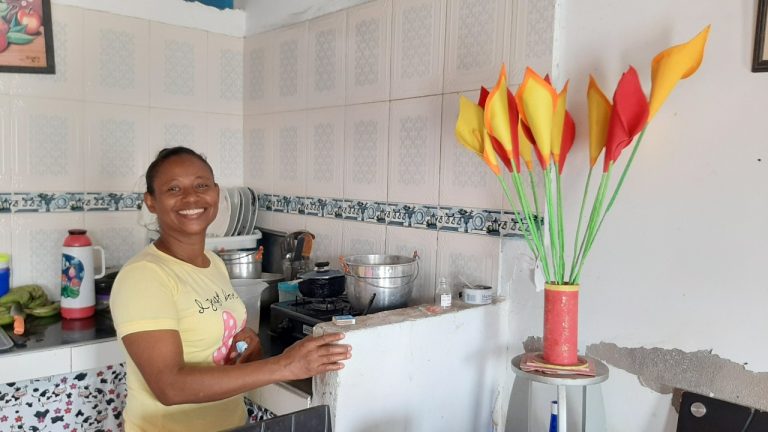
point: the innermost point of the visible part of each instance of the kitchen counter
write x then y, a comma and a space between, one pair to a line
52, 346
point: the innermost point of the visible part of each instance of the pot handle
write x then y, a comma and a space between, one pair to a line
345, 267
240, 257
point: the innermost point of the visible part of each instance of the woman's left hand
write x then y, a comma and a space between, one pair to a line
252, 353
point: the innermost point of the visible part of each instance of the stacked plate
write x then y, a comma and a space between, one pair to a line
236, 216
237, 212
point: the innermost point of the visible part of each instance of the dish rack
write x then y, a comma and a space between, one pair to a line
216, 244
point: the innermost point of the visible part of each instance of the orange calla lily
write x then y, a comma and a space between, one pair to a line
536, 100
569, 134
599, 115
526, 147
558, 121
471, 133
672, 65
489, 156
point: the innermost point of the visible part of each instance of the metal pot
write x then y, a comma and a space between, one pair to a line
322, 282
389, 277
241, 264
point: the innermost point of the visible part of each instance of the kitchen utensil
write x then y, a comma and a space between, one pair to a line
5, 341
370, 303
299, 248
18, 318
323, 282
241, 264
391, 277
306, 251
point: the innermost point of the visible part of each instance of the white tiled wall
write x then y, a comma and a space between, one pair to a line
398, 67
124, 88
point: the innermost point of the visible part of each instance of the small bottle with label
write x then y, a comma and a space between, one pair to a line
443, 294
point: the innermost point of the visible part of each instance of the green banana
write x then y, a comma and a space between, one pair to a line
32, 298
5, 318
44, 311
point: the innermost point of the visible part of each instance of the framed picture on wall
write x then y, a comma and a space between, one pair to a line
760, 56
26, 36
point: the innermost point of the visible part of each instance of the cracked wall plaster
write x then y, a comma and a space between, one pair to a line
702, 372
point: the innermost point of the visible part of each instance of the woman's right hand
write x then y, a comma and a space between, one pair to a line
314, 355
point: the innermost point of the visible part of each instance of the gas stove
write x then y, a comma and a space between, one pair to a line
292, 320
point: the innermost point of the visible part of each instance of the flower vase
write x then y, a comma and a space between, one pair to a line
561, 324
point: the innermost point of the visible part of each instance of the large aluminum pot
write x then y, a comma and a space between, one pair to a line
241, 264
380, 282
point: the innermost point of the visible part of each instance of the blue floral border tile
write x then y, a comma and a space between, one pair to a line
6, 202
323, 207
47, 202
112, 201
265, 202
286, 204
514, 224
469, 220
412, 215
365, 211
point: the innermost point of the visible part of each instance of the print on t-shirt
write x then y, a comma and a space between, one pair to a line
230, 329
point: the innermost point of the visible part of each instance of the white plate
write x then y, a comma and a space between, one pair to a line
218, 227
254, 211
245, 207
234, 201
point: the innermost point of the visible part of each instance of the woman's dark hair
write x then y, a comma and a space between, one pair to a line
164, 155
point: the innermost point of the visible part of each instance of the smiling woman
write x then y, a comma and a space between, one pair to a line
180, 320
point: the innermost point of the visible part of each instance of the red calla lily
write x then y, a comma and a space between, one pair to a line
628, 118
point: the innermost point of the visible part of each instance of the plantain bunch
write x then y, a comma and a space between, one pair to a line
32, 299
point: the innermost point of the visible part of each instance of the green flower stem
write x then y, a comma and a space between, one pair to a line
528, 238
593, 221
551, 211
535, 228
533, 190
560, 230
590, 221
578, 225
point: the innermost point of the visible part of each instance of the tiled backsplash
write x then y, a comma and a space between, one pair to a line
363, 145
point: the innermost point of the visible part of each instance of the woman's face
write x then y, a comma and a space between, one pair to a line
186, 199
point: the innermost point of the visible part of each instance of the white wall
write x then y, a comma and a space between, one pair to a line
264, 15
680, 261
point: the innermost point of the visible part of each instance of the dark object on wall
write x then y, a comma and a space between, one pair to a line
760, 54
704, 414
314, 419
26, 37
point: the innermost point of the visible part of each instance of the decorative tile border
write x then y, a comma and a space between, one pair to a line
62, 202
493, 222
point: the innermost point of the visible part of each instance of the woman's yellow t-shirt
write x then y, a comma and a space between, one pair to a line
155, 291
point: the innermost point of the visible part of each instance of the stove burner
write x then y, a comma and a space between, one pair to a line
326, 305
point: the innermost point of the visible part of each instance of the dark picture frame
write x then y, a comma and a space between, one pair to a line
26, 37
760, 54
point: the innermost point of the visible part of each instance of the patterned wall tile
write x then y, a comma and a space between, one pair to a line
47, 147
325, 150
331, 208
363, 239
414, 150
225, 74
6, 201
37, 240
328, 240
290, 51
178, 58
326, 54
170, 128
365, 155
258, 168
225, 154
418, 47
118, 233
365, 211
117, 142
67, 82
468, 220
258, 79
117, 49
474, 259
112, 201
532, 38
7, 147
290, 153
368, 52
6, 237
48, 202
474, 43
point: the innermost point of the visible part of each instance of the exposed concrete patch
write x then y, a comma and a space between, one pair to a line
533, 344
664, 370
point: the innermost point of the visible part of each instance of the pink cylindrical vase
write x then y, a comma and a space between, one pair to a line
561, 324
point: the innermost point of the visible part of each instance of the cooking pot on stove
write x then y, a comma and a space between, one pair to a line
323, 282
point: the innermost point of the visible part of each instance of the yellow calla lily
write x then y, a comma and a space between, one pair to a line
536, 101
599, 116
489, 156
497, 115
558, 120
672, 65
526, 148
469, 126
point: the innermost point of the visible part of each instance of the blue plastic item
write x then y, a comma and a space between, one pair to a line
553, 417
5, 274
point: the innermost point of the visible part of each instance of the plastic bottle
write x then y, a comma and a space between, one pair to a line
5, 274
553, 417
443, 294
78, 294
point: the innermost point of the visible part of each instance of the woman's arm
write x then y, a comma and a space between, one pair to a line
159, 356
